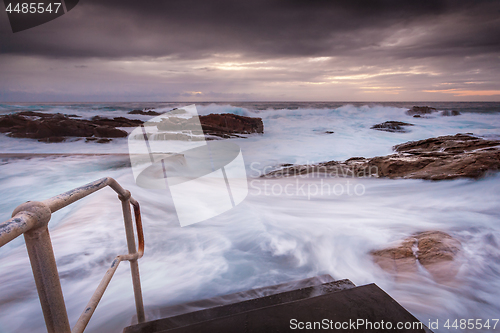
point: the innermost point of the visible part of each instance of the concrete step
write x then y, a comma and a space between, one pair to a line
199, 311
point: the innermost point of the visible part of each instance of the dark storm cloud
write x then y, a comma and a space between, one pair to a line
192, 29
122, 50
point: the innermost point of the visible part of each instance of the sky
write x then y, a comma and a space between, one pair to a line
259, 50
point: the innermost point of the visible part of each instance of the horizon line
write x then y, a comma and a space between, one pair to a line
283, 101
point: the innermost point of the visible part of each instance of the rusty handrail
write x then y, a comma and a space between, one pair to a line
32, 218
138, 222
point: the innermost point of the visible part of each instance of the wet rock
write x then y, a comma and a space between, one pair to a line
10, 121
109, 132
436, 251
228, 124
440, 158
445, 157
146, 112
450, 113
178, 124
116, 122
392, 126
356, 167
44, 115
57, 127
420, 110
97, 140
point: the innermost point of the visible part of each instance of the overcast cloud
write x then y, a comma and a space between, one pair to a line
310, 50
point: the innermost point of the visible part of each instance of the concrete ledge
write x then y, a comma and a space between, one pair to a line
275, 309
369, 303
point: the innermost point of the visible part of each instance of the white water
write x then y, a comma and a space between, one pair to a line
267, 239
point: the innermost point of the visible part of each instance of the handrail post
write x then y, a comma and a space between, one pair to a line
43, 264
47, 281
134, 265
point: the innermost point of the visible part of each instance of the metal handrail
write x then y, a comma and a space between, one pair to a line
32, 218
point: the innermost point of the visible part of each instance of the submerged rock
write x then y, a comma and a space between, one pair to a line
52, 139
444, 157
392, 126
450, 113
435, 247
397, 260
103, 141
146, 112
436, 251
420, 110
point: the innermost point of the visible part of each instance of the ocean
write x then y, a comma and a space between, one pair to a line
272, 236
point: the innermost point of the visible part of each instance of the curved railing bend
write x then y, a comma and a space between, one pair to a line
32, 218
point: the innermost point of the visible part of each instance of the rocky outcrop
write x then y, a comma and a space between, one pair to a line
444, 157
44, 115
423, 111
57, 127
227, 124
448, 144
436, 251
109, 132
116, 122
178, 124
224, 125
48, 127
392, 126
